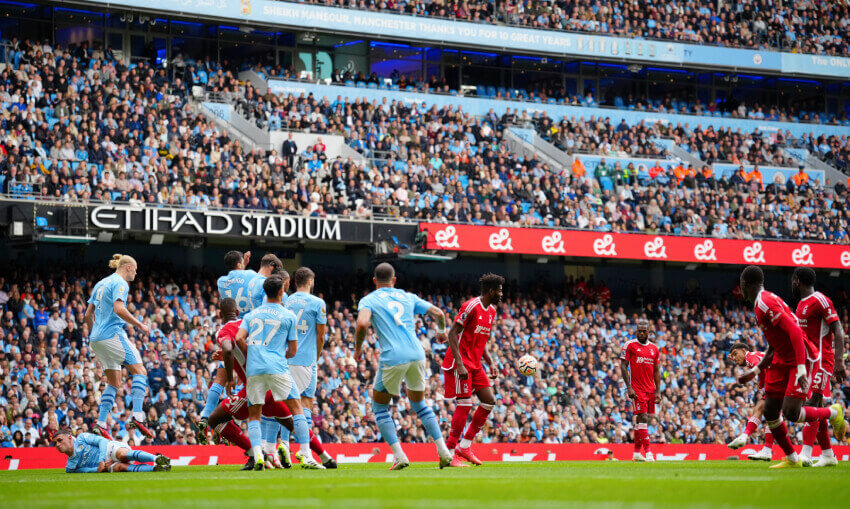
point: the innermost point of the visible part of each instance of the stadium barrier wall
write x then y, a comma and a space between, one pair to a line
497, 37
634, 246
48, 457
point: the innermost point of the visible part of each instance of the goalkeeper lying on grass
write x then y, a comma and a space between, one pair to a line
89, 453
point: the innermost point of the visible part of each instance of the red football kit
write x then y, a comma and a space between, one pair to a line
237, 406
752, 359
477, 322
815, 314
791, 347
642, 360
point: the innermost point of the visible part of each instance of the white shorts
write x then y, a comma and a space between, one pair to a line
112, 449
305, 379
281, 385
116, 351
413, 374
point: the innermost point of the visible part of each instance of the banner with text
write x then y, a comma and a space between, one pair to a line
595, 244
43, 457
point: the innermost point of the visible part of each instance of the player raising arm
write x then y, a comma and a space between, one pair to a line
788, 365
641, 372
89, 453
106, 315
390, 313
462, 371
741, 355
819, 320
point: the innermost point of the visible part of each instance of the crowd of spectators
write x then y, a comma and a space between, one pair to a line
49, 377
808, 26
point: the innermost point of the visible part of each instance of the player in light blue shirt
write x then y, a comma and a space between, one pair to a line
234, 284
269, 265
267, 336
89, 453
390, 312
106, 315
311, 324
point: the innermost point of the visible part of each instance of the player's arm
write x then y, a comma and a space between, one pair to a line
292, 339
492, 372
626, 376
90, 317
454, 344
765, 361
85, 470
321, 328
839, 371
227, 357
241, 344
364, 321
440, 318
125, 314
795, 335
656, 375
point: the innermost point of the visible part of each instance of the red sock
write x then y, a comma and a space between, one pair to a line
234, 435
780, 434
458, 422
810, 431
646, 441
812, 414
768, 438
752, 425
315, 444
823, 436
640, 435
478, 420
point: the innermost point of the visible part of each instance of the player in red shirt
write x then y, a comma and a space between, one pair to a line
741, 355
787, 365
819, 320
462, 368
641, 371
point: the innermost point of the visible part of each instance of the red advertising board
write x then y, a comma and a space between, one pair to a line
28, 458
633, 246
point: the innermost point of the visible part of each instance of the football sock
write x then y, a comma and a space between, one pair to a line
768, 438
231, 432
387, 427
752, 426
140, 456
255, 435
428, 419
140, 468
479, 418
284, 433
780, 435
464, 406
640, 434
810, 431
823, 438
140, 384
316, 446
269, 428
813, 414
213, 398
302, 433
107, 399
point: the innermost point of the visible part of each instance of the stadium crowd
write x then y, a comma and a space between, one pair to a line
80, 126
48, 375
800, 27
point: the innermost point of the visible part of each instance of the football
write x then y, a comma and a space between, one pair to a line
527, 365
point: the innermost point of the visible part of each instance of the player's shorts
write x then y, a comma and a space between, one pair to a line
237, 407
280, 384
457, 388
644, 403
822, 383
116, 351
305, 379
780, 381
112, 448
413, 374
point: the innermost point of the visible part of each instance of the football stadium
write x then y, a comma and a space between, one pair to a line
407, 253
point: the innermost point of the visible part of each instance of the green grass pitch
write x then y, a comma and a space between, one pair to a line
516, 485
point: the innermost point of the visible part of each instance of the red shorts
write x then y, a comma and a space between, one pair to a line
644, 403
237, 407
780, 381
822, 383
457, 388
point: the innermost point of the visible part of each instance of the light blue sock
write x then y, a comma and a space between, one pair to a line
385, 422
140, 384
269, 429
284, 435
429, 420
308, 414
254, 434
107, 399
213, 397
141, 456
140, 468
301, 432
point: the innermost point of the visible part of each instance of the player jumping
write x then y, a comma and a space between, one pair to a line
390, 312
741, 355
89, 453
462, 370
788, 363
819, 320
311, 317
265, 333
105, 316
640, 369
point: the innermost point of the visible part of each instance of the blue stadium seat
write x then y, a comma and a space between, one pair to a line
361, 84
373, 86
349, 83
41, 224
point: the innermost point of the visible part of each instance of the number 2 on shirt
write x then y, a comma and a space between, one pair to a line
398, 311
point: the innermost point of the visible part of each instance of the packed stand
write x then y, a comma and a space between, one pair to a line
799, 27
50, 377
